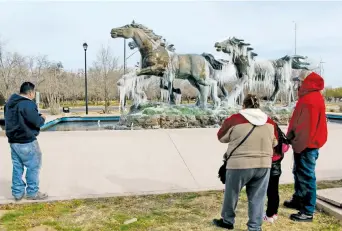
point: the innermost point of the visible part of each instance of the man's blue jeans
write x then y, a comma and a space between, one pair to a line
30, 156
305, 179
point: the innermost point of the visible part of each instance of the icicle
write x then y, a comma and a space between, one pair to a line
134, 87
164, 95
169, 75
228, 74
234, 94
178, 99
122, 94
265, 74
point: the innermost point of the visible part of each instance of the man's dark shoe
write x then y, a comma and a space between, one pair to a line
38, 196
292, 204
19, 198
221, 224
301, 217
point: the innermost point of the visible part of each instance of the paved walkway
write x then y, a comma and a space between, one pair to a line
109, 163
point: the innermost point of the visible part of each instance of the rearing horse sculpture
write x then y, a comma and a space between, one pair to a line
158, 61
164, 84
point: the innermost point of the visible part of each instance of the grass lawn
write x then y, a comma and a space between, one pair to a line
183, 211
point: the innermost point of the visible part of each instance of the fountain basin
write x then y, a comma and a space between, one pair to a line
154, 121
81, 123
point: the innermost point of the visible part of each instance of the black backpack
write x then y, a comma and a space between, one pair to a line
282, 139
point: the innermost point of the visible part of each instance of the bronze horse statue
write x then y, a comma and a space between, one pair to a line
158, 61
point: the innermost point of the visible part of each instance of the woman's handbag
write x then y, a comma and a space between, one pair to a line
223, 169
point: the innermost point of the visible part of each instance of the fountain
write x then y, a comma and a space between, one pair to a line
160, 64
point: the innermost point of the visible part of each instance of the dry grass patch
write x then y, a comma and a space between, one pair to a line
182, 211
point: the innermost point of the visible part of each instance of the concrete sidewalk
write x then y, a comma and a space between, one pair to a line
111, 163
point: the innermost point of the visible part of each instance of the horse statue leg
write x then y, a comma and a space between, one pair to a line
157, 70
214, 94
164, 91
276, 89
204, 93
242, 97
177, 93
224, 91
171, 95
291, 96
238, 88
198, 100
197, 86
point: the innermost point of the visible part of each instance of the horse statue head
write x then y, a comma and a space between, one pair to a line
155, 57
232, 45
138, 32
251, 53
126, 31
236, 48
298, 62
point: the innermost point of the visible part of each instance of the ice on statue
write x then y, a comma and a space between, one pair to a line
221, 81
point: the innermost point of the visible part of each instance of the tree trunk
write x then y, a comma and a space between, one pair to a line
107, 103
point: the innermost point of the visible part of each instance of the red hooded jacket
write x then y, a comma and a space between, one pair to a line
308, 125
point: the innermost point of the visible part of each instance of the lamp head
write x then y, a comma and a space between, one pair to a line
85, 46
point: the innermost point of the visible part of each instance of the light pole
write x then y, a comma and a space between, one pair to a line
321, 70
124, 56
85, 47
295, 38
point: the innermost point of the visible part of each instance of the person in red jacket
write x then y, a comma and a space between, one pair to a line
307, 133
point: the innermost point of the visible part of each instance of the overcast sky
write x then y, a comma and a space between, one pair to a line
58, 29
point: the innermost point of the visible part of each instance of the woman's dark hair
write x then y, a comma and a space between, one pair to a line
251, 101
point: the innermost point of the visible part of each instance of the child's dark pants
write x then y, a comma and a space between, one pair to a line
273, 196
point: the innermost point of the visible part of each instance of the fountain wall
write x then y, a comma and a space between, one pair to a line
161, 116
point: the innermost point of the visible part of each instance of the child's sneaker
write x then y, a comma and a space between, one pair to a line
275, 217
268, 219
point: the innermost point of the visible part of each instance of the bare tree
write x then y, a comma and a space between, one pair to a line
105, 68
52, 87
73, 87
12, 71
37, 68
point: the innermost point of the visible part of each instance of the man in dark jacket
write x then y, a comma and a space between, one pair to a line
22, 123
307, 133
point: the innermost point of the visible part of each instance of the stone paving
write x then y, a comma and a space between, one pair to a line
332, 196
85, 164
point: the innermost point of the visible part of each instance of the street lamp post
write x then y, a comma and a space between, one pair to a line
125, 56
85, 47
295, 38
321, 70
